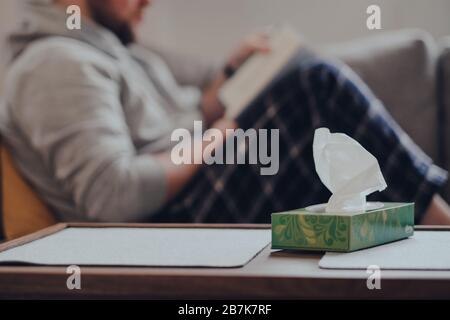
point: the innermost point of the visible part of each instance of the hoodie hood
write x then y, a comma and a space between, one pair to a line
42, 19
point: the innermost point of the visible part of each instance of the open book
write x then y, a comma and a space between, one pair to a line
258, 71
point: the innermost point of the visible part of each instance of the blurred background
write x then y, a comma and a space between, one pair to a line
211, 27
406, 64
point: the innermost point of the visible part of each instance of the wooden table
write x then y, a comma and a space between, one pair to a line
272, 275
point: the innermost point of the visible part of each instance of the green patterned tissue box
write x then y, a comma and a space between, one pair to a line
310, 230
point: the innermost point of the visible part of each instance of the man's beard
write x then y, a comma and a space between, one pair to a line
101, 15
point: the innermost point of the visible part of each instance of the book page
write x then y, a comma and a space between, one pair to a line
258, 71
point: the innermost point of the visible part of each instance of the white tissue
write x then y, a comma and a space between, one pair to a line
348, 170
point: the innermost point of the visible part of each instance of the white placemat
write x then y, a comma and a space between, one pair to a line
426, 250
171, 247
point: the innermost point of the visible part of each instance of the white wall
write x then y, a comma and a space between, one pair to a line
211, 27
8, 12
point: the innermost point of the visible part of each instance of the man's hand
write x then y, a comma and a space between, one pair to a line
211, 106
255, 43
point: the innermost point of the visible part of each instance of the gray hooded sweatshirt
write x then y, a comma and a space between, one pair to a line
82, 116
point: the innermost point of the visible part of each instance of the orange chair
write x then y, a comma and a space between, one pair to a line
22, 210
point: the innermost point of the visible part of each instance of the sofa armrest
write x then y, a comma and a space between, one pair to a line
443, 96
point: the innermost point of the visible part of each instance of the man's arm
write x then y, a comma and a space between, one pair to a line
74, 121
178, 176
213, 111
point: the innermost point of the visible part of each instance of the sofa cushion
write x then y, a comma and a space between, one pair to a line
443, 95
399, 67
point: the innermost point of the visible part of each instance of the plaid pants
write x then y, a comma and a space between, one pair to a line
310, 94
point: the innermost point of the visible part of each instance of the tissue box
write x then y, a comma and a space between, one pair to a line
309, 230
